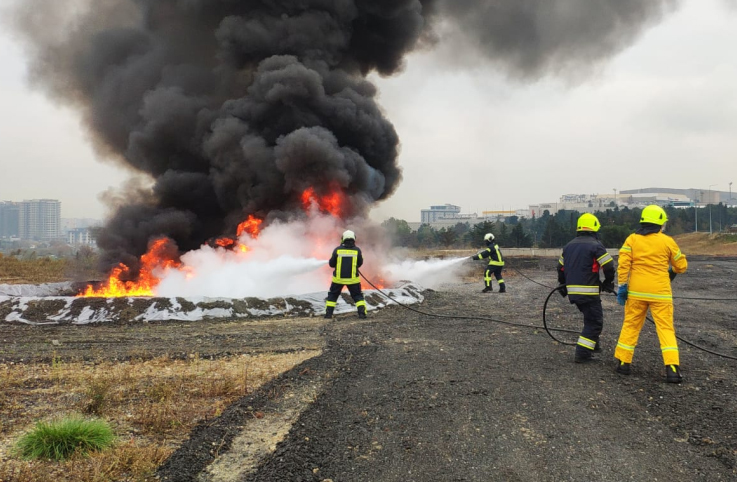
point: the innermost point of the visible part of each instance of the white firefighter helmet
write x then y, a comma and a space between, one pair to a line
348, 234
489, 237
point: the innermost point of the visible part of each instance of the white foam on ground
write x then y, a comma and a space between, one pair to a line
195, 308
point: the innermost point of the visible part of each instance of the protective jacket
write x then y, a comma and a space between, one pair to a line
346, 260
579, 265
493, 253
643, 264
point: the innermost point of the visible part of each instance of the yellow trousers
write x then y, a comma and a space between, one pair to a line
634, 317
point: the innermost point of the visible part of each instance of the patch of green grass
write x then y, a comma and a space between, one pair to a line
60, 439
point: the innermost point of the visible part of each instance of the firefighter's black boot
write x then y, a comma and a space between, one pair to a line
488, 289
503, 288
673, 374
584, 359
329, 312
623, 368
362, 312
584, 355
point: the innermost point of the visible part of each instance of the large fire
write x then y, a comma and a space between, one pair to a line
160, 256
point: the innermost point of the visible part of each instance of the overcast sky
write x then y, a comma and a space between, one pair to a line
661, 113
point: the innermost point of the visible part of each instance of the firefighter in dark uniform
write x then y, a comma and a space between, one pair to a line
495, 266
578, 275
346, 260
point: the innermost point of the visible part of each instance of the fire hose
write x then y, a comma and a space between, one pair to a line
557, 289
435, 315
548, 330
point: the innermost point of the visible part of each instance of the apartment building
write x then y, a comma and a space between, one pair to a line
9, 220
40, 219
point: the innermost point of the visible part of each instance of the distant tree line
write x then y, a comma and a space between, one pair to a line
554, 231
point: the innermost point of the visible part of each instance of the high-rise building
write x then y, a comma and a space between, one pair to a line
9, 219
40, 219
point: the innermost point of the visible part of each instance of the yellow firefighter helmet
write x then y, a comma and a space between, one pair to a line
588, 222
653, 214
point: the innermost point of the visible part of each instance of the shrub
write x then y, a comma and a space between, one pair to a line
60, 439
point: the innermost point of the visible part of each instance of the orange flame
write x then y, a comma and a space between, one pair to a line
161, 255
252, 226
331, 203
379, 283
224, 242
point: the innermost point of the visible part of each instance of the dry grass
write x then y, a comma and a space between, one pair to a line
42, 270
46, 270
434, 253
717, 244
152, 406
704, 244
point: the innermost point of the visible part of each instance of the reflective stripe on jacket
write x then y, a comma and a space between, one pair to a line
494, 254
346, 260
643, 266
579, 265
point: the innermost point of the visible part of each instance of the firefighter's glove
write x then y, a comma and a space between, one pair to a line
622, 295
473, 258
608, 287
562, 290
671, 274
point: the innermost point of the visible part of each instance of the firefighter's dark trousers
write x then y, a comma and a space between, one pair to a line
497, 272
593, 323
354, 290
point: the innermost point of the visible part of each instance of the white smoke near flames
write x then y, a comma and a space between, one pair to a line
429, 273
292, 259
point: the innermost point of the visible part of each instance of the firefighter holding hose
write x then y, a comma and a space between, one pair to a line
346, 260
495, 266
578, 275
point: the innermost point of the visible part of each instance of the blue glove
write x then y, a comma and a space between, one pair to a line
622, 295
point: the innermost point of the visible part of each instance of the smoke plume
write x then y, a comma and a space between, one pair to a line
235, 108
529, 39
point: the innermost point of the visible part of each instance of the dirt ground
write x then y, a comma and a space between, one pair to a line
406, 396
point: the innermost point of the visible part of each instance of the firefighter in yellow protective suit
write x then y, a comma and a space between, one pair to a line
648, 262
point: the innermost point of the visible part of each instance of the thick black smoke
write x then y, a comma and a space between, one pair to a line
235, 107
529, 39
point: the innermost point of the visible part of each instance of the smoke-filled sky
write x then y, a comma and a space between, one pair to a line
493, 107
